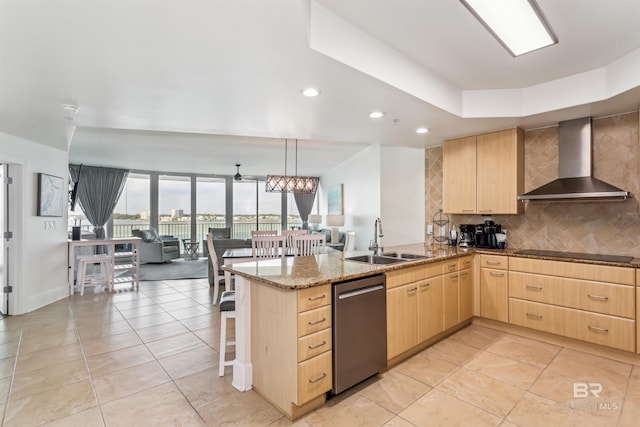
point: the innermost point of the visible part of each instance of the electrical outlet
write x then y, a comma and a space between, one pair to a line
49, 225
504, 231
430, 229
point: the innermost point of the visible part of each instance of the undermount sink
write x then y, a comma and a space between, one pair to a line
375, 259
403, 255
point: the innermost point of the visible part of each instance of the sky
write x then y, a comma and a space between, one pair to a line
175, 194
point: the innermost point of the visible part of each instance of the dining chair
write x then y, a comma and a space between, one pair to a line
217, 277
349, 241
290, 234
264, 247
263, 233
310, 244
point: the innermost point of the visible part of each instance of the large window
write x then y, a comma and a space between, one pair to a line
133, 209
174, 206
210, 205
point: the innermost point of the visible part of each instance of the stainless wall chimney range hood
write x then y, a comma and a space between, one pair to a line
575, 181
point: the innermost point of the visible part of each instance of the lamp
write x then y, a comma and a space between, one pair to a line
291, 184
335, 221
314, 219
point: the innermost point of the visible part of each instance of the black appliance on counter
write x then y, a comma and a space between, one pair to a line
467, 232
485, 235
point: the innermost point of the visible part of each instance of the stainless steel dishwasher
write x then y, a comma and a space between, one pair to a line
359, 330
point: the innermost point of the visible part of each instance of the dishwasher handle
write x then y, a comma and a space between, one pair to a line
360, 291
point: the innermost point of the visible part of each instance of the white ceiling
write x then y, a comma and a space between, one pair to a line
196, 86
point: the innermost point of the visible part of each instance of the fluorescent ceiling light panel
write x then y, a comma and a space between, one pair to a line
517, 24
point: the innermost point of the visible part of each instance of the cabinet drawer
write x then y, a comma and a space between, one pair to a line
317, 296
466, 262
314, 320
314, 344
616, 300
600, 329
450, 266
412, 274
494, 261
314, 377
574, 270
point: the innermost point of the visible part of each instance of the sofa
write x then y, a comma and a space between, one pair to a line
155, 248
221, 242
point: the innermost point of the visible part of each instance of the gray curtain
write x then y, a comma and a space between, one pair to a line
304, 202
98, 193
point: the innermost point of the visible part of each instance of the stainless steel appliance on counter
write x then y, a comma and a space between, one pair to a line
359, 330
466, 235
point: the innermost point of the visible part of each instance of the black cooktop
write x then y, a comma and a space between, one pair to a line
576, 255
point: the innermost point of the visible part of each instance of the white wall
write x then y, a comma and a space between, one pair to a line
40, 255
402, 195
385, 182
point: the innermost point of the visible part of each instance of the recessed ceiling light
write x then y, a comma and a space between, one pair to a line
376, 114
517, 24
311, 92
422, 130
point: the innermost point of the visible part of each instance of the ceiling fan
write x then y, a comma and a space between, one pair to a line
238, 177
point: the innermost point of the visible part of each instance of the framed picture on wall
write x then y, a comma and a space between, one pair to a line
51, 195
334, 200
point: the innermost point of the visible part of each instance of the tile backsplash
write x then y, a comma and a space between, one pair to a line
593, 227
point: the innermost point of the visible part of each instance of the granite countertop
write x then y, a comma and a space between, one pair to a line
634, 263
304, 272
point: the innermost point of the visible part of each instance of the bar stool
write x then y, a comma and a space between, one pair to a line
103, 277
227, 311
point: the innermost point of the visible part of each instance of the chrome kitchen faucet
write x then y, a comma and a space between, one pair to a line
377, 232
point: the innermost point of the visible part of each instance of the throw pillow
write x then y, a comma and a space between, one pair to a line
220, 233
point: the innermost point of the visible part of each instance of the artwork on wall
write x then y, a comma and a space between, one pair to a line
51, 195
334, 200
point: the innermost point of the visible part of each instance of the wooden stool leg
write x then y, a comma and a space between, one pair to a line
223, 342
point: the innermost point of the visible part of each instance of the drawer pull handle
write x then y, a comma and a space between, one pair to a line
485, 210
598, 297
534, 288
534, 316
451, 266
324, 374
467, 210
494, 262
596, 329
317, 298
454, 277
425, 285
313, 347
412, 289
317, 321
494, 274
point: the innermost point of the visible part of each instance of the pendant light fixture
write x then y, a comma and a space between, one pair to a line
291, 184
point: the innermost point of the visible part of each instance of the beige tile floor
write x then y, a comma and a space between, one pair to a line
149, 357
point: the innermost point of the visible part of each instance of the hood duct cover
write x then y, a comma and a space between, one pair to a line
575, 181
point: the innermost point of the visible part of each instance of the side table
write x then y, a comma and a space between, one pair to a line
190, 249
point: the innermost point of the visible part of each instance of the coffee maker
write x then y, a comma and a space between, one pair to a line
485, 234
466, 235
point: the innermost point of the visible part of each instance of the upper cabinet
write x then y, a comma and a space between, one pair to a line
484, 174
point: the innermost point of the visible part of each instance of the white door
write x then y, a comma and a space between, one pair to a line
4, 252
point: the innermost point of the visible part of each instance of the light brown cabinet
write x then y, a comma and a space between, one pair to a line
291, 346
484, 174
494, 292
588, 302
423, 301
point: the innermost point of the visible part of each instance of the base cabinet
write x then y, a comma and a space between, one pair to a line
291, 345
430, 296
494, 289
402, 319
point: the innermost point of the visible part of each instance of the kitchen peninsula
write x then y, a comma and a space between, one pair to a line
283, 309
283, 317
